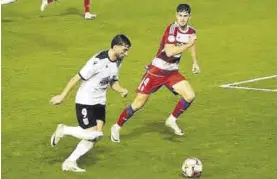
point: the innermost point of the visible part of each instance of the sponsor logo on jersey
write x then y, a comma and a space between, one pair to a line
105, 81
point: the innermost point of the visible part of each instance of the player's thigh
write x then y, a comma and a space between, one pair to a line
87, 115
150, 84
99, 124
177, 83
184, 89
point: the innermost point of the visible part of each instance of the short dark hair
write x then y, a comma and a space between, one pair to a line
120, 39
183, 7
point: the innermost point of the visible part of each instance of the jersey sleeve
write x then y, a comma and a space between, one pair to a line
168, 36
115, 78
90, 69
192, 30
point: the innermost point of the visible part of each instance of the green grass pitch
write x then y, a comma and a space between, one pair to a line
232, 131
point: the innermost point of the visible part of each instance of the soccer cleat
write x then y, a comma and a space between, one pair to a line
44, 3
58, 134
115, 134
71, 166
89, 16
172, 124
7, 1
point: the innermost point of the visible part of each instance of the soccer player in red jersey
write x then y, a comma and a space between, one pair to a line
87, 14
163, 71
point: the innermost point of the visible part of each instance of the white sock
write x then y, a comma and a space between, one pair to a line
80, 133
171, 117
7, 1
82, 148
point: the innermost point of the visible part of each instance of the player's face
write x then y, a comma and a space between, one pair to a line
122, 50
182, 18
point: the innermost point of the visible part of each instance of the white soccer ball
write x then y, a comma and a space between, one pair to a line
192, 168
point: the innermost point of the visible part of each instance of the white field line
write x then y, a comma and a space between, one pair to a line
234, 85
247, 88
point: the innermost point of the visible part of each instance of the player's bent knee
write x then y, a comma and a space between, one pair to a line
192, 96
95, 136
96, 139
189, 97
137, 105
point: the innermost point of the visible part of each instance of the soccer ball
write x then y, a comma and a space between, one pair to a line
192, 168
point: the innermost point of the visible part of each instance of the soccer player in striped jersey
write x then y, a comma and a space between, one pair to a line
87, 14
100, 72
163, 71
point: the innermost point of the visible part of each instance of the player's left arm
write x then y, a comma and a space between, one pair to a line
115, 85
195, 66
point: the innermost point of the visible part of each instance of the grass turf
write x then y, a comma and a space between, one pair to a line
232, 131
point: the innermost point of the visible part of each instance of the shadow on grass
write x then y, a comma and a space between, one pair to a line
153, 127
41, 16
68, 11
6, 20
89, 159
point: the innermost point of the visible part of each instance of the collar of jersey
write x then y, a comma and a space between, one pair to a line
109, 57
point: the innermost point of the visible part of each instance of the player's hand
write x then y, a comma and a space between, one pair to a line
56, 99
195, 68
124, 92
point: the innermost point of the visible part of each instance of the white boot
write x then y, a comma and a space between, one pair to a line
171, 122
7, 1
115, 136
58, 134
71, 166
89, 16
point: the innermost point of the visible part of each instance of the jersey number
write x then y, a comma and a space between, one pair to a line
85, 113
143, 83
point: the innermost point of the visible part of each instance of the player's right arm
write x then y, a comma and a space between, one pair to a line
172, 49
72, 82
90, 69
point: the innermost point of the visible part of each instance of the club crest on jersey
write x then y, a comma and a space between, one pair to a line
171, 38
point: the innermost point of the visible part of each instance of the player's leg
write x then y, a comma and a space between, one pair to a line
70, 164
84, 146
126, 114
86, 115
129, 111
44, 4
75, 131
148, 85
88, 15
7, 1
184, 89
